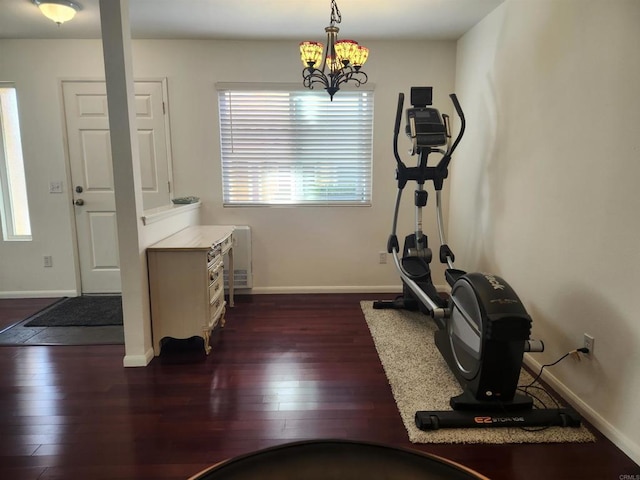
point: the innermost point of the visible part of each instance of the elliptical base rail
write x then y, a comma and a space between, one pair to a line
539, 418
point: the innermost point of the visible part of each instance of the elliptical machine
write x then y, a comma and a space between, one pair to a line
483, 327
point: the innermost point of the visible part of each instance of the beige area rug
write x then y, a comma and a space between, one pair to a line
421, 380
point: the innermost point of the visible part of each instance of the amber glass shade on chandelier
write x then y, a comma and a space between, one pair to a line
347, 52
311, 53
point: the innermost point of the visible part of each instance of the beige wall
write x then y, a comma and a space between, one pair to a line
294, 249
545, 188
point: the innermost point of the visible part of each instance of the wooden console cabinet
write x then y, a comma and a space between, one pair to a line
186, 283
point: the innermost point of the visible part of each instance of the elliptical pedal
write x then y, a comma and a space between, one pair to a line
400, 303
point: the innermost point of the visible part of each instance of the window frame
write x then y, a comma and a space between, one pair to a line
300, 148
13, 183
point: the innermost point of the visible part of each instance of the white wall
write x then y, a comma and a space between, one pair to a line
544, 190
294, 249
36, 67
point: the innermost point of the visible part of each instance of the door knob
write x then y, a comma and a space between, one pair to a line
79, 202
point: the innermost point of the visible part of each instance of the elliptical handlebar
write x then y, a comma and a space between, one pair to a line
396, 129
463, 122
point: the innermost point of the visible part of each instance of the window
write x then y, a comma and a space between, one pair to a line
13, 189
290, 147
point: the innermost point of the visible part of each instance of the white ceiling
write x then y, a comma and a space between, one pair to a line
258, 19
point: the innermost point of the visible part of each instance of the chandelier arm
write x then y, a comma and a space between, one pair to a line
341, 77
315, 76
358, 76
349, 73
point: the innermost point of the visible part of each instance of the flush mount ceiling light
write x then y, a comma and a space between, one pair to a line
59, 11
341, 59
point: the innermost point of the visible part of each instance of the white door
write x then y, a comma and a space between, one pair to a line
87, 121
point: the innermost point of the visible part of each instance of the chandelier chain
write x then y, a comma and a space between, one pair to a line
336, 16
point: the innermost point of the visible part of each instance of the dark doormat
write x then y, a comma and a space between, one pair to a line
85, 311
88, 327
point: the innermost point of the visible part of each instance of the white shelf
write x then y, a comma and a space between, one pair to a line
160, 213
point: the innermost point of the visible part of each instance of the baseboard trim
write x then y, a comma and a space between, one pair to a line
619, 439
254, 290
40, 294
327, 289
138, 360
331, 289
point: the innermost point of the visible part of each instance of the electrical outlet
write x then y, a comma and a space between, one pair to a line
383, 258
588, 343
48, 261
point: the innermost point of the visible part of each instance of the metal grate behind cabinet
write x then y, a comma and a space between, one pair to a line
242, 274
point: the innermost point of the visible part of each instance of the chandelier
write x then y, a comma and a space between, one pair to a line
340, 59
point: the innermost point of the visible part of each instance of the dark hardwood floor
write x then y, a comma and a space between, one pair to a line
14, 310
285, 368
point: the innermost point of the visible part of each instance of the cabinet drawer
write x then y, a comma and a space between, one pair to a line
216, 310
213, 255
226, 243
215, 272
216, 289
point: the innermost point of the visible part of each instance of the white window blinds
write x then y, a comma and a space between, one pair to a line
295, 147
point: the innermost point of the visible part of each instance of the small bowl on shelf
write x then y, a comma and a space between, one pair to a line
185, 200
